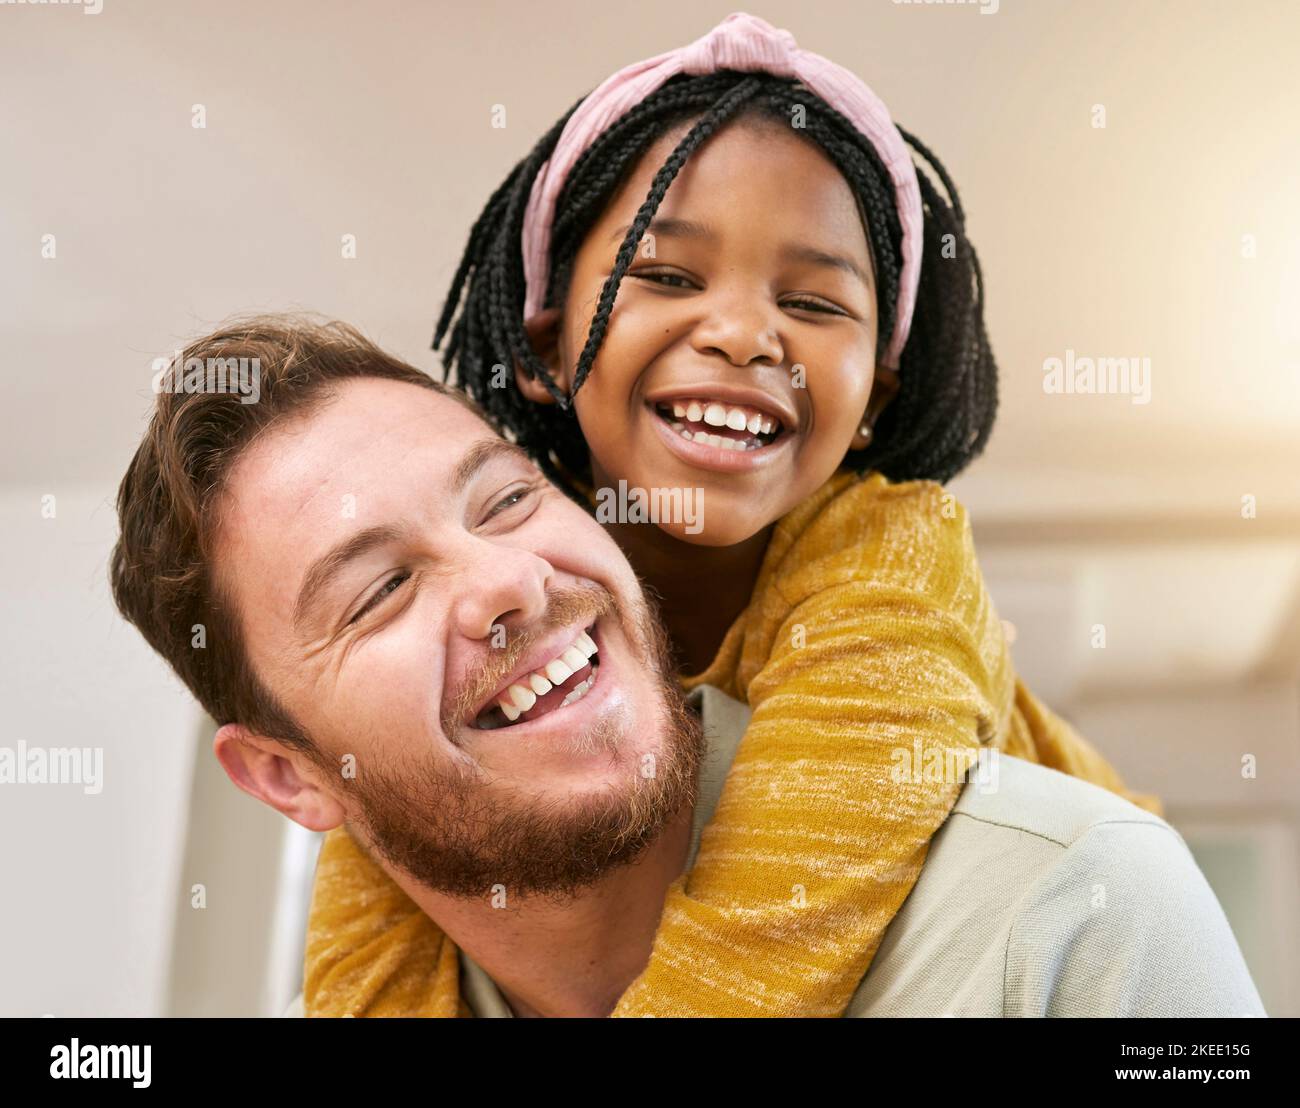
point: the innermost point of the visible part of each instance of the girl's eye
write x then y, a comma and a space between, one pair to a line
802, 303
388, 588
659, 277
813, 306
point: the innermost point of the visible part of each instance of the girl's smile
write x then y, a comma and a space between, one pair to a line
723, 427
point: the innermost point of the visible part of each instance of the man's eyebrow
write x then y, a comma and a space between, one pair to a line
690, 229
478, 455
329, 564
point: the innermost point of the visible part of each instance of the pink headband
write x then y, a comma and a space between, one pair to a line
743, 42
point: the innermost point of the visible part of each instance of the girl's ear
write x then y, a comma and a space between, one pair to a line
884, 387
543, 330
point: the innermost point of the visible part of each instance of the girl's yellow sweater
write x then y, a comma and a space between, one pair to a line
876, 668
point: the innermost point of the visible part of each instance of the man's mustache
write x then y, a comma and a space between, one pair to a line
565, 607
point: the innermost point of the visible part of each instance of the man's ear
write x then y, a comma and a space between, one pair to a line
278, 776
543, 330
884, 387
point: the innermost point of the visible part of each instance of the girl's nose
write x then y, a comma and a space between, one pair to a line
742, 329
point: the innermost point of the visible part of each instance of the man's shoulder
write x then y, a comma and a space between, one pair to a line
1046, 895
1023, 797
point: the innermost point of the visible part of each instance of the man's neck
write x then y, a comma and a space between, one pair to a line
572, 959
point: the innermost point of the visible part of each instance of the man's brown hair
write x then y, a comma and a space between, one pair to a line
162, 573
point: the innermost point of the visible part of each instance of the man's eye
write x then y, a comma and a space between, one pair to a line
512, 498
389, 587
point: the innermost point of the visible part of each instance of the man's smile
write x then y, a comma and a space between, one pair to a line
540, 687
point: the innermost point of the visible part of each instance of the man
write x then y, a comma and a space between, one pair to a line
370, 573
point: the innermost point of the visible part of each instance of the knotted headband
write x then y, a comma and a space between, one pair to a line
743, 42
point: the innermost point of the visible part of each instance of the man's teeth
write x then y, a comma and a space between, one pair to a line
720, 415
580, 689
519, 698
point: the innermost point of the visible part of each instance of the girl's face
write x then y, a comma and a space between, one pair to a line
740, 354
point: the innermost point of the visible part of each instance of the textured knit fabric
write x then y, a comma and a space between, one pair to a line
875, 667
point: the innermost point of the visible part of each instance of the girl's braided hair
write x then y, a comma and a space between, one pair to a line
943, 413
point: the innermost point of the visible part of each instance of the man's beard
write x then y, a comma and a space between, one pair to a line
455, 833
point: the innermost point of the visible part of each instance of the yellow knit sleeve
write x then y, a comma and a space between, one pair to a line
875, 666
371, 951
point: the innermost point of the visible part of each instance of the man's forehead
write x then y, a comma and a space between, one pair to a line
368, 453
363, 441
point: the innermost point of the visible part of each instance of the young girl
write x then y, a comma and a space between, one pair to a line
798, 349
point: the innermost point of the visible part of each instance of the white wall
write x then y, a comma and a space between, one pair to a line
90, 881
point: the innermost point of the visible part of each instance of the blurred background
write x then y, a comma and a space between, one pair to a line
1130, 174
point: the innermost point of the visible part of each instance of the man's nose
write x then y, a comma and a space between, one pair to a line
500, 587
742, 325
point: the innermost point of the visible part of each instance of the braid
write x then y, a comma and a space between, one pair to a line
697, 134
489, 329
944, 411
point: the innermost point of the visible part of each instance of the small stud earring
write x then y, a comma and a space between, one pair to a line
865, 432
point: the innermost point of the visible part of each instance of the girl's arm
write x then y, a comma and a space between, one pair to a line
876, 667
371, 950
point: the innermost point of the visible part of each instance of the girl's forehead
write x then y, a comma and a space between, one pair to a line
752, 168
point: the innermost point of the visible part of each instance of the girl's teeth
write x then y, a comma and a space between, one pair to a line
720, 441
719, 415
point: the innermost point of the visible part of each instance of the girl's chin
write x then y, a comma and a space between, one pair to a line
714, 536
707, 513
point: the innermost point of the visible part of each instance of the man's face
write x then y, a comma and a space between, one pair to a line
398, 570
